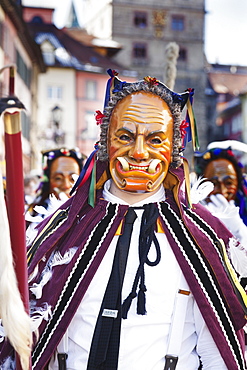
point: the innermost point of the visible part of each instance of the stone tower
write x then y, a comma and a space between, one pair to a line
144, 29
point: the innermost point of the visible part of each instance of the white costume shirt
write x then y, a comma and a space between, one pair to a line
144, 338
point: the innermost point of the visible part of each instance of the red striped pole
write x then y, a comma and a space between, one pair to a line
15, 191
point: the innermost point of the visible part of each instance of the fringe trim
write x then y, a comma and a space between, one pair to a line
2, 332
56, 259
39, 314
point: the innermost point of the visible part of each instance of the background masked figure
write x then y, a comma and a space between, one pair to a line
61, 168
228, 200
137, 278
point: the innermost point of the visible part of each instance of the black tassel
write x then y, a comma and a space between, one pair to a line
141, 301
146, 237
126, 304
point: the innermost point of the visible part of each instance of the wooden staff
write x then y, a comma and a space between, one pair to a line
11, 109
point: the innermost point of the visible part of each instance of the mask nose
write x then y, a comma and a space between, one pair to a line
139, 150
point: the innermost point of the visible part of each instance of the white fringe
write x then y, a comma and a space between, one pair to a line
55, 260
33, 274
9, 364
63, 260
39, 314
42, 212
2, 332
36, 289
237, 255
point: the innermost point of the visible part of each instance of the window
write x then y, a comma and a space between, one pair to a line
49, 58
91, 89
1, 34
54, 92
23, 70
177, 23
140, 19
6, 39
182, 55
48, 53
92, 129
226, 129
25, 125
236, 124
37, 19
140, 51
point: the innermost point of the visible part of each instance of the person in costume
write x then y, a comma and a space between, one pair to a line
128, 274
61, 168
228, 199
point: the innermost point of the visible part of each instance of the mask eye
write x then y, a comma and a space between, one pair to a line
156, 140
124, 137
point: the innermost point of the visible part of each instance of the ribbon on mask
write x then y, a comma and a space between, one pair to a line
191, 129
110, 85
88, 169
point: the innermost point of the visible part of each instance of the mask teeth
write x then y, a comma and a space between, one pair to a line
150, 169
124, 163
143, 168
153, 165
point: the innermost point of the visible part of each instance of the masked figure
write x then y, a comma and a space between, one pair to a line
61, 168
127, 274
227, 201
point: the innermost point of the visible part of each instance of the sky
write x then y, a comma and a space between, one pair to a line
225, 29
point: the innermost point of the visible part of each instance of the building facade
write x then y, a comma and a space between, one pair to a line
144, 29
19, 49
73, 87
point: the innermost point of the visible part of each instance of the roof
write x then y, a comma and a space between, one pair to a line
228, 79
108, 47
70, 52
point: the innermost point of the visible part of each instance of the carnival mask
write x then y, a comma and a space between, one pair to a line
61, 175
222, 174
140, 142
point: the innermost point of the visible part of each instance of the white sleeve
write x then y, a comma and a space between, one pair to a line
206, 347
228, 214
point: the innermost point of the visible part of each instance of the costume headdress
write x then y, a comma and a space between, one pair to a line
48, 156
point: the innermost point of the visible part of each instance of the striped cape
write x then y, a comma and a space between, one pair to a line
195, 238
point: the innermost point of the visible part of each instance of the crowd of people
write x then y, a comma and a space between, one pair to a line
124, 271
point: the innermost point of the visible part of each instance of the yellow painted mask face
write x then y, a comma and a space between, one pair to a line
140, 142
